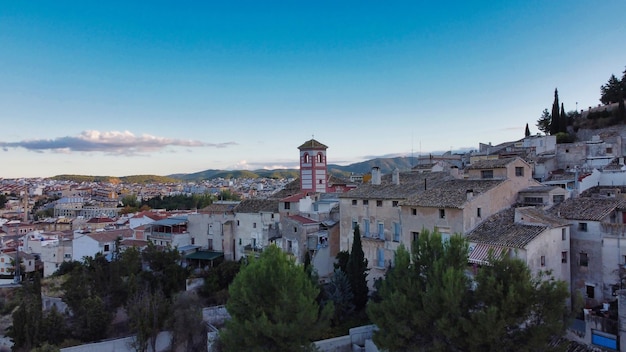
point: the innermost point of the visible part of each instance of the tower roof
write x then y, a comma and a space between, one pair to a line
312, 144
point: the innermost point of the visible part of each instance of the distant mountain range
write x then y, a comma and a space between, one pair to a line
386, 165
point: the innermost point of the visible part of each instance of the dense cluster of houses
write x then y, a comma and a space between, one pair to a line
560, 208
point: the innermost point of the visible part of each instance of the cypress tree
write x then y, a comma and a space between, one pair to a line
527, 133
555, 124
563, 120
356, 269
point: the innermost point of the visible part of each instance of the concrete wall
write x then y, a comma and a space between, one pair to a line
589, 242
121, 345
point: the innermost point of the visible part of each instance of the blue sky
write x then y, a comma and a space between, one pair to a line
162, 87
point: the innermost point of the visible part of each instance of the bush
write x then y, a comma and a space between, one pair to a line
563, 137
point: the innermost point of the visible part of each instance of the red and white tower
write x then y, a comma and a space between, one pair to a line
313, 173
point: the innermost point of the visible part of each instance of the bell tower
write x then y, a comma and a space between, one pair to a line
313, 174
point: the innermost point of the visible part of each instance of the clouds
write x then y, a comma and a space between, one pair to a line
111, 142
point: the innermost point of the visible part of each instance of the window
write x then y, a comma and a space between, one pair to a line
563, 234
543, 260
295, 229
591, 291
584, 259
320, 158
366, 202
210, 244
193, 240
379, 203
366, 228
582, 226
394, 203
624, 259
558, 199
486, 174
564, 257
106, 247
380, 258
445, 237
254, 225
442, 213
237, 222
396, 232
287, 205
306, 158
381, 231
519, 171
413, 211
320, 181
609, 150
478, 212
354, 202
533, 200
415, 236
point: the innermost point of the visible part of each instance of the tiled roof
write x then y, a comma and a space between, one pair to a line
219, 208
303, 220
491, 163
134, 243
451, 193
500, 229
110, 236
410, 183
538, 189
257, 205
585, 208
294, 198
536, 215
312, 144
290, 189
100, 220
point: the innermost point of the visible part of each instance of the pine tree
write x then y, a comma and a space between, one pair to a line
423, 296
611, 92
556, 118
429, 303
356, 270
544, 122
527, 133
273, 306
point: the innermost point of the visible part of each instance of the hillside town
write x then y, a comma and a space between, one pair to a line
558, 207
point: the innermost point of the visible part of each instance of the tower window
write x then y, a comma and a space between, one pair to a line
320, 158
306, 158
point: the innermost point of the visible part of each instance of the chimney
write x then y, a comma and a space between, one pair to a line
376, 175
395, 176
469, 193
454, 172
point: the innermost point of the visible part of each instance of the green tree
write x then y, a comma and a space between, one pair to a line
165, 271
273, 306
92, 320
339, 292
563, 120
147, 312
611, 92
514, 310
429, 303
186, 323
54, 328
527, 131
543, 124
27, 318
356, 270
3, 200
555, 123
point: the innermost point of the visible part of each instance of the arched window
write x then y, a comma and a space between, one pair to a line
306, 158
320, 158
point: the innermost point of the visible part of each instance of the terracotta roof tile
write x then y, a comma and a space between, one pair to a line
411, 183
491, 163
586, 208
257, 205
500, 229
312, 144
451, 193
